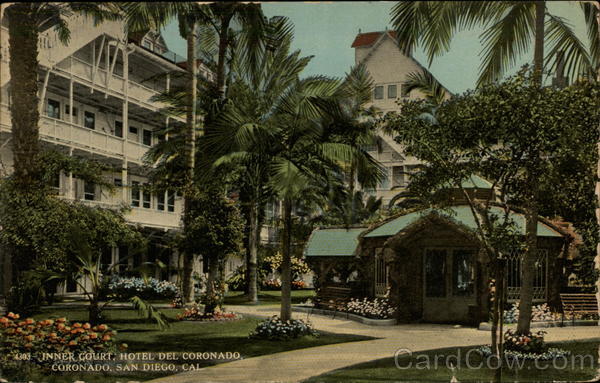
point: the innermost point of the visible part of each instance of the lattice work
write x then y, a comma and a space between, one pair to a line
514, 274
381, 274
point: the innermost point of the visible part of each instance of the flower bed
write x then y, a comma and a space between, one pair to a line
52, 336
530, 346
377, 308
539, 313
276, 329
121, 288
194, 313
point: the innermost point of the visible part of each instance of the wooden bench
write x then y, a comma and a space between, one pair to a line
333, 298
579, 304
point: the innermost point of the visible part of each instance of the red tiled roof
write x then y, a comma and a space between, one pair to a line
367, 39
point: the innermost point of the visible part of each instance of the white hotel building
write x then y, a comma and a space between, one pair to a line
95, 102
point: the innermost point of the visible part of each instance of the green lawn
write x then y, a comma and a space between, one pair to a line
385, 370
268, 298
182, 336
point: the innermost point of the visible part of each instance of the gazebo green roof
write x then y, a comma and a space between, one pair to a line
476, 182
333, 242
462, 215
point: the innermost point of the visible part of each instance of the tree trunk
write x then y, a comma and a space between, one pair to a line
190, 146
286, 262
94, 313
223, 45
23, 66
531, 215
211, 285
253, 255
597, 259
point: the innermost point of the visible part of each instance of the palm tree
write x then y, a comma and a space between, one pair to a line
25, 21
510, 28
140, 16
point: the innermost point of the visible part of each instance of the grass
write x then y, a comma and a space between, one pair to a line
415, 368
182, 336
268, 298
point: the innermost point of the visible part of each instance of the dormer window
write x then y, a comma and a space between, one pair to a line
146, 43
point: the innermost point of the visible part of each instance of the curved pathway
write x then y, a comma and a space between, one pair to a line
298, 365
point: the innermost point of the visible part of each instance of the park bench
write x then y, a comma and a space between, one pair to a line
333, 298
579, 304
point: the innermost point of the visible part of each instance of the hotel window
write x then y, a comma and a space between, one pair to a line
384, 183
146, 199
397, 176
118, 182
147, 137
392, 91
53, 110
171, 201
404, 92
133, 130
147, 44
89, 120
89, 191
378, 93
135, 194
55, 183
160, 201
67, 111
118, 129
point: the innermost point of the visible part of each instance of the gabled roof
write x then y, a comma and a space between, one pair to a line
368, 39
333, 242
461, 214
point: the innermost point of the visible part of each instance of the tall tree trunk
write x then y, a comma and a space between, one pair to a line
190, 148
253, 255
223, 45
286, 262
211, 284
531, 215
23, 66
597, 259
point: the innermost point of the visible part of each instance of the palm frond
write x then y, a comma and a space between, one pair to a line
145, 309
425, 83
564, 43
591, 12
505, 41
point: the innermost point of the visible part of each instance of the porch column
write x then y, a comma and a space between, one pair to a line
43, 93
125, 182
71, 183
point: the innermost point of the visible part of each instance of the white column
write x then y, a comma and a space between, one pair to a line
71, 183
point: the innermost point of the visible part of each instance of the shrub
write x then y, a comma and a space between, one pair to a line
297, 285
539, 313
51, 336
378, 308
276, 329
550, 354
525, 343
121, 288
272, 284
194, 313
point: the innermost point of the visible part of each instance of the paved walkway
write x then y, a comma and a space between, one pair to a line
298, 365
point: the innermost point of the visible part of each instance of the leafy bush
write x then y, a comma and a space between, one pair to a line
298, 266
272, 284
276, 329
121, 288
297, 285
551, 353
377, 308
194, 313
525, 343
51, 336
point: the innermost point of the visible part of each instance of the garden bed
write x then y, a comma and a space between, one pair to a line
345, 315
486, 326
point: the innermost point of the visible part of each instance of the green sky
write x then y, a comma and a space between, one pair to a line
326, 30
